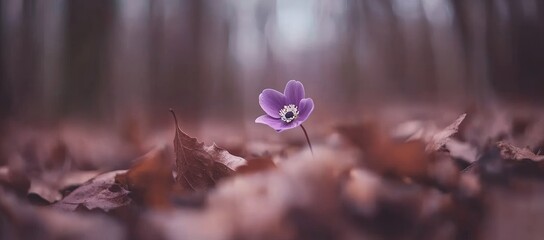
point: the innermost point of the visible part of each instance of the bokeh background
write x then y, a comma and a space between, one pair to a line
106, 61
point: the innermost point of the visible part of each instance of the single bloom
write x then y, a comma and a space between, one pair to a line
285, 110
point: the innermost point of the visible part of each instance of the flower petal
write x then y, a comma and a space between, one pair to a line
290, 125
305, 108
294, 92
276, 123
272, 102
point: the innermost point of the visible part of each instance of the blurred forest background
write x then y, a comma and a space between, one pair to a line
105, 61
86, 85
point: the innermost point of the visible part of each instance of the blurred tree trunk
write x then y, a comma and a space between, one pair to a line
190, 89
155, 47
529, 38
5, 98
25, 55
347, 69
57, 58
177, 81
88, 36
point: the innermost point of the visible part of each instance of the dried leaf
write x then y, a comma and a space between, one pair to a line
508, 151
100, 192
150, 180
224, 157
199, 167
439, 139
385, 155
21, 221
257, 165
45, 191
77, 178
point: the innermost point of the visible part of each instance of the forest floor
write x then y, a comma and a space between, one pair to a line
472, 174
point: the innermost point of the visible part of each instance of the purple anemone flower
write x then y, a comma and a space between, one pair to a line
285, 110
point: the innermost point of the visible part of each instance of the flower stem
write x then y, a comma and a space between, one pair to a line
307, 139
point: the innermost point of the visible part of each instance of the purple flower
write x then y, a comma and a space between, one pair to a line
285, 110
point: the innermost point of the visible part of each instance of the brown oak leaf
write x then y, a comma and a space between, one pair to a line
199, 167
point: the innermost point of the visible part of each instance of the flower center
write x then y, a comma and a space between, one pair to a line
289, 113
